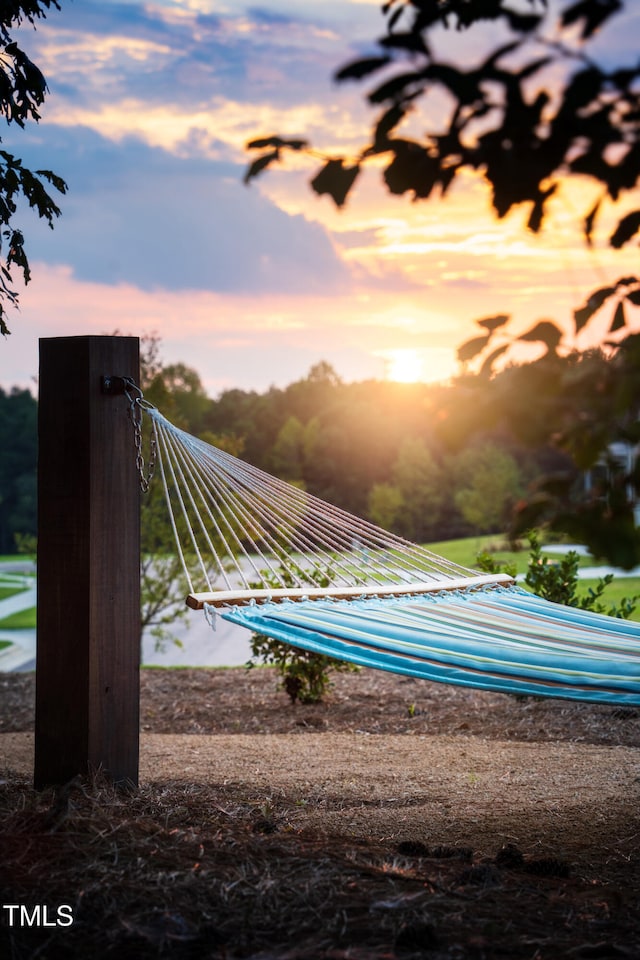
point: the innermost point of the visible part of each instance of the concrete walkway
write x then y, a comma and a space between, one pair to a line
590, 573
21, 655
227, 645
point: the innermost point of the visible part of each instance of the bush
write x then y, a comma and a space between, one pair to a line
557, 581
305, 675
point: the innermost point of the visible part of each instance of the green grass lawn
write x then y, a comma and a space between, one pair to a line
617, 591
465, 551
22, 620
6, 592
4, 644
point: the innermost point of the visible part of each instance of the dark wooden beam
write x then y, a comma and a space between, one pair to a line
88, 645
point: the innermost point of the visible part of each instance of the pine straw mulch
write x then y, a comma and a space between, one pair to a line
400, 819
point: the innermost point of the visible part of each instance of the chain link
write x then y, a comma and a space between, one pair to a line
137, 403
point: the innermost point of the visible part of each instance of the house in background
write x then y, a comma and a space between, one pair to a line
622, 457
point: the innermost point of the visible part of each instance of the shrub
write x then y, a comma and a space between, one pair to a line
557, 580
305, 675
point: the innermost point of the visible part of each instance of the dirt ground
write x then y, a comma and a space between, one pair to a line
482, 825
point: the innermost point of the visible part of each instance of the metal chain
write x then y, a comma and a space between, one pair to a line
137, 403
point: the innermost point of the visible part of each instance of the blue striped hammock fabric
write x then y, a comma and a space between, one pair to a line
390, 604
499, 639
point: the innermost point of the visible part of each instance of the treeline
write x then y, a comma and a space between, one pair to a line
427, 461
18, 443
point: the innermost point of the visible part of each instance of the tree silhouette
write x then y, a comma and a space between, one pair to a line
521, 136
536, 109
22, 92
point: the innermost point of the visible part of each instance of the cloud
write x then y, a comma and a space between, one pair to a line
263, 15
92, 52
161, 72
461, 282
151, 106
138, 214
249, 341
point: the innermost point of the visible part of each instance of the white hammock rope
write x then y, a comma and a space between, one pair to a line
241, 533
281, 562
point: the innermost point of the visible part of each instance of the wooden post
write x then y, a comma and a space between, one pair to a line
88, 646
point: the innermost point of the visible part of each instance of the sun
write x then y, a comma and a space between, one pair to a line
436, 364
403, 366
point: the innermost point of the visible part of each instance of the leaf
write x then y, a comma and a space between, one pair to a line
589, 222
533, 67
276, 141
336, 180
263, 142
464, 85
260, 164
502, 51
619, 319
583, 88
537, 211
395, 87
595, 301
358, 69
467, 351
413, 42
544, 332
389, 119
536, 216
53, 179
593, 12
487, 366
393, 19
626, 229
412, 168
522, 23
492, 323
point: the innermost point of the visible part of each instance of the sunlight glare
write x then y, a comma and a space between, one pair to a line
403, 366
418, 364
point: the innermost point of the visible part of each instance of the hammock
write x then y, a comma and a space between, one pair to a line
281, 562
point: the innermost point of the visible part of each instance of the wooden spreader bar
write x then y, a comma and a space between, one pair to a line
224, 598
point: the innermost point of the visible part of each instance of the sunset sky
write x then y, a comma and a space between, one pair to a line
149, 110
